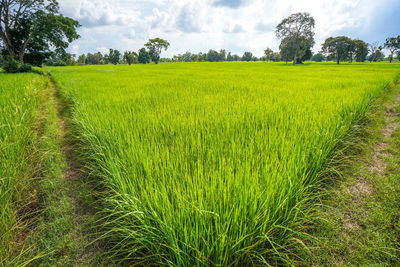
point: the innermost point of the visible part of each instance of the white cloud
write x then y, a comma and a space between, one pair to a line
199, 25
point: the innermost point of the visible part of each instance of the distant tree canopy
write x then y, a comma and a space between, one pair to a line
33, 30
393, 45
144, 56
247, 56
268, 54
130, 57
155, 47
375, 52
337, 48
319, 57
297, 36
342, 48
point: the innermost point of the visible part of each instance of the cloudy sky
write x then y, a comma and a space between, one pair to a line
234, 25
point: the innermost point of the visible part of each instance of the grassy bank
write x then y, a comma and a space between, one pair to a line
20, 129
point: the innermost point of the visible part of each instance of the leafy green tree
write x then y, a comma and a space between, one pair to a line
114, 56
247, 56
31, 30
229, 57
297, 31
155, 47
144, 56
361, 50
130, 57
213, 56
319, 57
393, 45
276, 56
337, 48
288, 47
268, 54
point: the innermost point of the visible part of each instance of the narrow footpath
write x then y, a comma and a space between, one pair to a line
66, 233
359, 222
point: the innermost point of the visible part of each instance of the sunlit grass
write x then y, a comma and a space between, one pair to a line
19, 105
208, 163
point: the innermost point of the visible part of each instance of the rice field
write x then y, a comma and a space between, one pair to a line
19, 107
212, 163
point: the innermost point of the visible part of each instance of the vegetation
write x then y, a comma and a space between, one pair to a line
393, 44
35, 27
155, 47
297, 34
19, 166
209, 168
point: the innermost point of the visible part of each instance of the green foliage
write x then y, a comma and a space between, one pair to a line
338, 48
131, 57
201, 166
144, 56
35, 29
268, 54
247, 56
114, 56
319, 57
297, 35
393, 45
155, 47
10, 65
19, 105
361, 50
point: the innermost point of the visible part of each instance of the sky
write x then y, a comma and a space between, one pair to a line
234, 25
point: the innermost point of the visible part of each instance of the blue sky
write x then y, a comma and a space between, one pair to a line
234, 25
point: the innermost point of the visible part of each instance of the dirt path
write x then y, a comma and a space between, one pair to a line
84, 250
358, 223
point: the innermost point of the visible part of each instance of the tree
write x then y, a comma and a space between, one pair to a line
144, 56
114, 56
376, 52
319, 57
32, 29
361, 50
393, 45
229, 57
268, 54
337, 48
298, 32
155, 47
247, 56
213, 56
130, 57
287, 48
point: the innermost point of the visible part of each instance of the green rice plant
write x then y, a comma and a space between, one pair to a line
212, 163
19, 105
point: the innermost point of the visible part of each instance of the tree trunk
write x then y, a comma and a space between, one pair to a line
21, 57
391, 58
294, 60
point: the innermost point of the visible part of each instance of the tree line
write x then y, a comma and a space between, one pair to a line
35, 32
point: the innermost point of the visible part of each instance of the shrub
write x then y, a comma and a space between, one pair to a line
10, 65
25, 68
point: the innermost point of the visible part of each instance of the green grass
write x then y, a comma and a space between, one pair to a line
358, 223
213, 163
19, 131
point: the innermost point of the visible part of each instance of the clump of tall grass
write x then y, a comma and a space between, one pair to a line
212, 164
19, 104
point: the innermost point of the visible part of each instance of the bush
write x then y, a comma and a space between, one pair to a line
10, 65
25, 68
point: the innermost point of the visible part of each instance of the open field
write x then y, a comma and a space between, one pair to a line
212, 163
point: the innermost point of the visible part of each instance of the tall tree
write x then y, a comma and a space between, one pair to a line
337, 48
247, 56
35, 27
299, 28
143, 56
375, 51
361, 50
130, 57
155, 47
114, 56
393, 45
268, 54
